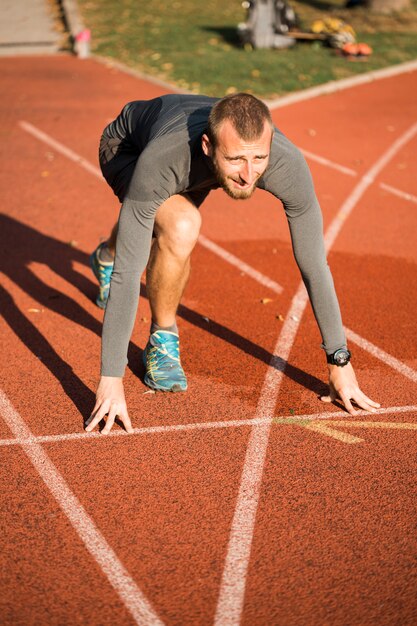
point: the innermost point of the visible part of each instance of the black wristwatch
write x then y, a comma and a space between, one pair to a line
341, 357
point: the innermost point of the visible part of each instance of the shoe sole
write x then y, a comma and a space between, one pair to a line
174, 389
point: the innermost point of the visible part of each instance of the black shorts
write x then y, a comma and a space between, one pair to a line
117, 162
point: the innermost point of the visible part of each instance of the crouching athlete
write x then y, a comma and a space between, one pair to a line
162, 157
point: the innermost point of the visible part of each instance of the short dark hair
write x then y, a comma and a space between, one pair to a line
247, 114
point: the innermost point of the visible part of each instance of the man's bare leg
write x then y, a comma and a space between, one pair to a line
176, 229
177, 226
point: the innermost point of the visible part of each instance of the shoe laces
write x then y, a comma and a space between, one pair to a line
166, 344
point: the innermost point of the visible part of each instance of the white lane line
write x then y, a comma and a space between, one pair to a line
192, 426
404, 195
232, 590
59, 147
97, 546
381, 355
397, 192
241, 265
328, 163
364, 183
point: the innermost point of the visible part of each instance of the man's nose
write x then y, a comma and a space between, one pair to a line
247, 172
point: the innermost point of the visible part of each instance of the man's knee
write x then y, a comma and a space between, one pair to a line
177, 226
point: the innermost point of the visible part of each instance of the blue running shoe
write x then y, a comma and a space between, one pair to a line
162, 361
102, 271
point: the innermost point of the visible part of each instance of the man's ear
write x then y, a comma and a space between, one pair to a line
206, 145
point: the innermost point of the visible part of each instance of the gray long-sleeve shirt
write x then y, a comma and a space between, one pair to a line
153, 151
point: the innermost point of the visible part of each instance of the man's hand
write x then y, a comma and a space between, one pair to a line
110, 401
343, 385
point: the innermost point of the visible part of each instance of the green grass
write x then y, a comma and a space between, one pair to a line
193, 43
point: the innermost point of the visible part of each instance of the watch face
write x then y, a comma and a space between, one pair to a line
341, 357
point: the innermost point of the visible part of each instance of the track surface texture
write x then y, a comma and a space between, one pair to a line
245, 500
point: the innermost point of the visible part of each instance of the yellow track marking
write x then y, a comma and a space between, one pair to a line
327, 428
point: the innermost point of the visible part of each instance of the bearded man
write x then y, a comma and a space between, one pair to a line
162, 158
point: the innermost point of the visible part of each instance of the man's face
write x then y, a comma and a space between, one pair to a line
238, 164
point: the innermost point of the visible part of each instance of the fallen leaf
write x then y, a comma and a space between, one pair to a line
280, 317
149, 391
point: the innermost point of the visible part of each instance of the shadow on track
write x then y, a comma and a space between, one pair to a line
246, 345
22, 245
75, 389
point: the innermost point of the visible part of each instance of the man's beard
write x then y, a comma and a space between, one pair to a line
225, 184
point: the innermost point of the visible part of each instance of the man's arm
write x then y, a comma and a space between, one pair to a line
290, 181
152, 183
132, 251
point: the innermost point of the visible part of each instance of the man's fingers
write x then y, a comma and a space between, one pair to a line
109, 421
122, 414
127, 423
348, 405
371, 403
364, 402
93, 420
331, 397
89, 419
95, 417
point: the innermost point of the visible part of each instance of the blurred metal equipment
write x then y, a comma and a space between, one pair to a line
267, 24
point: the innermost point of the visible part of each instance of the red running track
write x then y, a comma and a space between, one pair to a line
245, 500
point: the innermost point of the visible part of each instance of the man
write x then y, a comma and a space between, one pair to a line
161, 158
